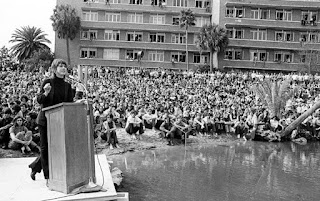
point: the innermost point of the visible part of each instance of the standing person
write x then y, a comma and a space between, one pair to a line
53, 91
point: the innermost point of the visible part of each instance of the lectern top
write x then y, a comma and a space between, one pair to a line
61, 105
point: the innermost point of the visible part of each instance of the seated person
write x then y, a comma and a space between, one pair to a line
5, 124
199, 124
166, 129
109, 132
149, 119
133, 125
241, 129
181, 129
21, 137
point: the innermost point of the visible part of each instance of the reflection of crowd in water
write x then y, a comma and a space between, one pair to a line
178, 104
283, 157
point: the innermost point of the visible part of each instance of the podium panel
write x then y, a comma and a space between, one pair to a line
70, 146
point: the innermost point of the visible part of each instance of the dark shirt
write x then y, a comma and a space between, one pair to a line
60, 92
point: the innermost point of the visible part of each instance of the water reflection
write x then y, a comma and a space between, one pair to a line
250, 171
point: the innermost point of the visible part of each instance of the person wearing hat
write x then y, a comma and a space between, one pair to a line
53, 91
5, 124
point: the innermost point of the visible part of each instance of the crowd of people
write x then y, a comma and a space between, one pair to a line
171, 104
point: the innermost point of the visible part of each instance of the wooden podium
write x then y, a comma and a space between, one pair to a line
70, 146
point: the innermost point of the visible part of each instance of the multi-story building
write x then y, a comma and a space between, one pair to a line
270, 34
264, 34
135, 33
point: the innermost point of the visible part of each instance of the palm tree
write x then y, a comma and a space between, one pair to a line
300, 119
27, 40
187, 19
66, 23
213, 38
274, 94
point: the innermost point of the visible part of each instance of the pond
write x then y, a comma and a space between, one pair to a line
239, 171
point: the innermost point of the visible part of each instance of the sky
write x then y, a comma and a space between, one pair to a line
15, 14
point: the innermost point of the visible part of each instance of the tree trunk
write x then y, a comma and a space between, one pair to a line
211, 61
300, 119
187, 55
68, 52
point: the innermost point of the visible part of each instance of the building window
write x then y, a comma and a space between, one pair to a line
178, 56
134, 36
156, 37
238, 33
89, 34
284, 15
283, 57
313, 37
258, 34
278, 57
111, 54
156, 56
287, 57
200, 59
158, 2
264, 14
178, 38
180, 3
255, 14
233, 54
260, 14
230, 33
239, 12
112, 17
113, 1
309, 18
88, 53
284, 36
89, 16
157, 19
132, 54
135, 2
175, 20
229, 12
202, 3
111, 35
258, 55
135, 18
303, 58
200, 21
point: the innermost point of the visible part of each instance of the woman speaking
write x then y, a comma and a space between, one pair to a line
53, 91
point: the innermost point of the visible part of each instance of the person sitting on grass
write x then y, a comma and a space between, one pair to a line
21, 137
166, 129
149, 119
181, 129
133, 125
109, 134
5, 124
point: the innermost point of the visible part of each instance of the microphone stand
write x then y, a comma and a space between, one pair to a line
91, 186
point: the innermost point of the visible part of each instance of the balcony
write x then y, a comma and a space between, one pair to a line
140, 8
275, 4
265, 24
137, 45
134, 26
135, 63
273, 66
246, 43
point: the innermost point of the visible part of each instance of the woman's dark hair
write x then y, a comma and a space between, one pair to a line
16, 119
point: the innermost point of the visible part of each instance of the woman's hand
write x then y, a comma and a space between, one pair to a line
47, 89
